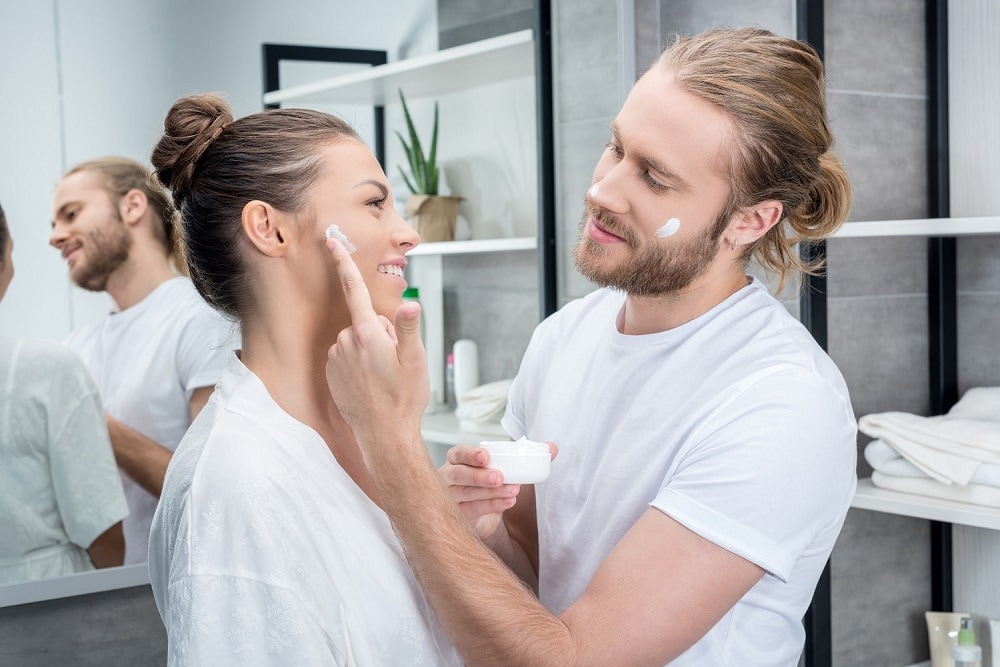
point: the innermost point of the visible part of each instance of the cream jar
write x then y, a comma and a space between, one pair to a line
521, 462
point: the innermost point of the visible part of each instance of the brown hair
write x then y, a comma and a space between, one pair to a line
773, 88
4, 236
214, 165
121, 175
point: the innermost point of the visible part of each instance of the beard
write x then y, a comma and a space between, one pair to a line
655, 269
107, 249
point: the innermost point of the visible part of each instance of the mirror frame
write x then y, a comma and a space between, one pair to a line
71, 585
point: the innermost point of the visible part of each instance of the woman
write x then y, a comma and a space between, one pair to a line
269, 545
61, 498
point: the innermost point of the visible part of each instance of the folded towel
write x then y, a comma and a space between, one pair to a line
886, 460
978, 403
946, 448
486, 403
975, 494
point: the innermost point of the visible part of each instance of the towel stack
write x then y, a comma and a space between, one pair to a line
480, 409
955, 456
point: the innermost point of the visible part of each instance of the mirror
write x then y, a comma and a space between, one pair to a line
93, 79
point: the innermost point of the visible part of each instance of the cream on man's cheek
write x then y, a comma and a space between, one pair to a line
669, 228
333, 232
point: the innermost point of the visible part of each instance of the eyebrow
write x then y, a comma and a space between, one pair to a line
654, 165
372, 181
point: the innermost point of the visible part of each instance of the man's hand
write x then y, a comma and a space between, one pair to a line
377, 371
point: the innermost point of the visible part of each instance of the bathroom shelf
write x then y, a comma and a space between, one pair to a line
462, 67
442, 428
926, 227
870, 497
474, 246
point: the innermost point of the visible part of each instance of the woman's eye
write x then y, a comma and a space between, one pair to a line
378, 202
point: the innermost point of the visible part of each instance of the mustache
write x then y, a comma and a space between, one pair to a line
608, 222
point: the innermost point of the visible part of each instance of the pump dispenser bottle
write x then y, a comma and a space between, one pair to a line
966, 653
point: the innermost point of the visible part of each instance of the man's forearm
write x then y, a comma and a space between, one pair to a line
143, 460
491, 616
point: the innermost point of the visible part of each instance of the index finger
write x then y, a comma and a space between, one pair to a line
359, 301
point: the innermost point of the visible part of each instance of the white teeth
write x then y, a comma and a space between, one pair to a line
391, 269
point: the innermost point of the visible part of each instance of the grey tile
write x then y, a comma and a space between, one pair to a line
492, 26
455, 13
882, 142
880, 345
889, 33
580, 146
586, 60
978, 351
978, 261
500, 321
688, 17
648, 44
880, 589
867, 267
505, 270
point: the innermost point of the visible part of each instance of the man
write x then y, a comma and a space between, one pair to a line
156, 358
706, 444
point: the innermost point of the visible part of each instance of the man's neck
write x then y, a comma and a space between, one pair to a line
136, 279
653, 314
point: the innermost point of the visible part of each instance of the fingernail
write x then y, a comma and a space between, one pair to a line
493, 478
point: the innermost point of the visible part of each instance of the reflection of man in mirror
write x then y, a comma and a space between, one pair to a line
157, 356
61, 503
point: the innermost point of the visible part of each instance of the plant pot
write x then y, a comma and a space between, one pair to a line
433, 216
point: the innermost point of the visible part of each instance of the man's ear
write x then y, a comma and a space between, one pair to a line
263, 226
132, 206
755, 221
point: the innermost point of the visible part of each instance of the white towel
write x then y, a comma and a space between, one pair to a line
886, 460
485, 403
946, 448
976, 494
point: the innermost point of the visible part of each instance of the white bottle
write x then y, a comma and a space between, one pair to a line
966, 653
466, 367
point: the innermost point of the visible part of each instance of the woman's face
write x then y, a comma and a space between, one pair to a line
353, 193
6, 266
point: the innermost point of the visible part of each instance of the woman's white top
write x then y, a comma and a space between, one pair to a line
264, 551
59, 487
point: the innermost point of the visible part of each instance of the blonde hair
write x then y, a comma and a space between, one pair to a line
120, 176
773, 88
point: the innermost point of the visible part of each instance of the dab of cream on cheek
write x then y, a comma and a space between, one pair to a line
669, 228
333, 232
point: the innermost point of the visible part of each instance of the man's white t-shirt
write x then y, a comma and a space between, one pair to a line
736, 424
59, 487
265, 552
147, 361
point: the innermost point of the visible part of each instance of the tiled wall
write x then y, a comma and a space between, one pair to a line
878, 310
112, 628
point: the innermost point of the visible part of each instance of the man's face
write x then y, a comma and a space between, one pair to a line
6, 266
88, 229
665, 161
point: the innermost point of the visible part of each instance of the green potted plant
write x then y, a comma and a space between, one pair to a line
433, 215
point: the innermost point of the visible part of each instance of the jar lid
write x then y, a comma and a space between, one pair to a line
522, 447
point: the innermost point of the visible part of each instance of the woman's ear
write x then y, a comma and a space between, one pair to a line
263, 226
755, 221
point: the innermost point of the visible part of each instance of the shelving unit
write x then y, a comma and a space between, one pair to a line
870, 497
526, 53
484, 62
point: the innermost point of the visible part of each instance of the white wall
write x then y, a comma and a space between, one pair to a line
119, 65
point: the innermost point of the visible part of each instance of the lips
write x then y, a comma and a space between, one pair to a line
600, 234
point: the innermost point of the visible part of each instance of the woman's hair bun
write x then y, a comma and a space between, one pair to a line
191, 125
